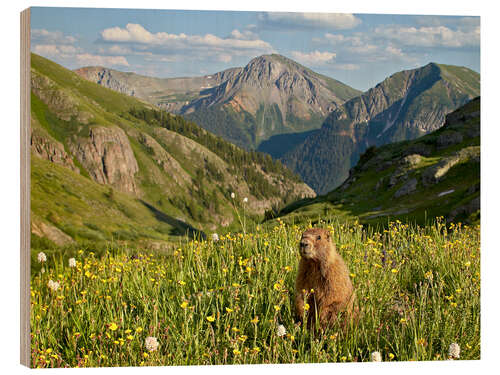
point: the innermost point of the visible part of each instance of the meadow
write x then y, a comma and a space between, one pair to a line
229, 301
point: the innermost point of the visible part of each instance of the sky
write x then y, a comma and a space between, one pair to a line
360, 50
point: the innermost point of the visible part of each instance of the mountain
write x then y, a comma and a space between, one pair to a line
437, 174
404, 106
271, 95
109, 166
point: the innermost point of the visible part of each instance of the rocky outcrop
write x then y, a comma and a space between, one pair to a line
46, 148
59, 100
164, 159
436, 172
408, 188
108, 157
53, 233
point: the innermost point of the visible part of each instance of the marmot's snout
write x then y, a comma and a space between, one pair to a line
305, 248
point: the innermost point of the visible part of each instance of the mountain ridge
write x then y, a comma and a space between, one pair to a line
405, 105
271, 95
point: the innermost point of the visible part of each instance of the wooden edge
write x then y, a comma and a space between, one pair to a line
25, 188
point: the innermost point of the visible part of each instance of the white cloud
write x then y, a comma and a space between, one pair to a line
43, 36
245, 35
314, 58
138, 39
134, 33
429, 36
90, 59
53, 50
336, 21
347, 66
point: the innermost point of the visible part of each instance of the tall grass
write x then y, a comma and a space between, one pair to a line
221, 302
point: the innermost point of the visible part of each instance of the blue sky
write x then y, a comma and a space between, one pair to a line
357, 49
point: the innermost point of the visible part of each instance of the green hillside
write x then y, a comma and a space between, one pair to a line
435, 175
169, 175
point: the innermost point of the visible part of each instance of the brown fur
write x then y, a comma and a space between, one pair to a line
321, 268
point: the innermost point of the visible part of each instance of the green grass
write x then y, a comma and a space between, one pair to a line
220, 302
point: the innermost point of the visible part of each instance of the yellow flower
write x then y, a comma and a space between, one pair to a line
391, 356
184, 304
113, 326
277, 286
288, 268
394, 270
467, 264
138, 329
277, 307
130, 337
127, 331
306, 307
353, 275
211, 318
255, 320
236, 352
256, 349
229, 310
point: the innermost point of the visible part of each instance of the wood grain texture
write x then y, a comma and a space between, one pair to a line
25, 188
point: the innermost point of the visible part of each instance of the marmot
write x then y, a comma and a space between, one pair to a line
322, 269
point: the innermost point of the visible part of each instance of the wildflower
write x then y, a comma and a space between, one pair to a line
229, 310
391, 356
215, 237
233, 195
306, 307
394, 270
53, 285
376, 357
454, 351
245, 200
113, 326
277, 307
256, 349
151, 343
428, 275
281, 330
255, 320
42, 257
138, 329
184, 304
236, 352
211, 318
72, 262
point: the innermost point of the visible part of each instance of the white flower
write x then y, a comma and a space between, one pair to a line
233, 195
42, 257
245, 200
215, 237
151, 343
72, 262
376, 357
53, 285
454, 351
281, 330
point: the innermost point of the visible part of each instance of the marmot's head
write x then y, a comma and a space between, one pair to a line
315, 244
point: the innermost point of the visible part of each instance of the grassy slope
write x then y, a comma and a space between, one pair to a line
220, 302
159, 188
376, 206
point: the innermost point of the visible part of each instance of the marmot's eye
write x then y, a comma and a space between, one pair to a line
319, 238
